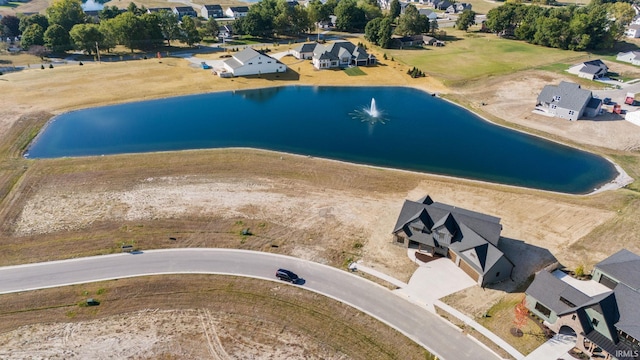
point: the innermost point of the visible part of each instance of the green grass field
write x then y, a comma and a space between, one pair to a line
474, 55
354, 71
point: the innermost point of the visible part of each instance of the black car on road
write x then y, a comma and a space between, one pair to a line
286, 275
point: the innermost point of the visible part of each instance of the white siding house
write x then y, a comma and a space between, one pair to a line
251, 62
632, 57
633, 31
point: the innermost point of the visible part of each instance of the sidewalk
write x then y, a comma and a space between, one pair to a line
428, 302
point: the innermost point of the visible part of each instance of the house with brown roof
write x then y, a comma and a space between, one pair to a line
601, 312
470, 239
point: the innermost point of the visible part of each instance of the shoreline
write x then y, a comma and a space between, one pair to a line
619, 181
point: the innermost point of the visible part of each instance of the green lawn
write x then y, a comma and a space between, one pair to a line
354, 71
474, 55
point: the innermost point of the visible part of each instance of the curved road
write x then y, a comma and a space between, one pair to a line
425, 328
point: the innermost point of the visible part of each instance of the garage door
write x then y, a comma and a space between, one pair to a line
469, 270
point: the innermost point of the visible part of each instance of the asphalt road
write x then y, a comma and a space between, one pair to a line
425, 328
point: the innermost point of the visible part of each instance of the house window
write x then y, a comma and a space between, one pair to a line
571, 112
595, 322
268, 62
556, 98
553, 106
543, 309
260, 63
498, 274
250, 63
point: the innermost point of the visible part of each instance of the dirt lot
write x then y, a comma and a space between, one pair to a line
322, 210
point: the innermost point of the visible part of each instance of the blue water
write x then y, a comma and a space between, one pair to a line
415, 132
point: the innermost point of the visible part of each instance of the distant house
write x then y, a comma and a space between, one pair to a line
334, 55
632, 57
250, 62
592, 70
470, 239
430, 14
211, 11
183, 11
431, 41
237, 11
568, 101
94, 15
304, 51
601, 312
632, 31
460, 7
407, 41
441, 4
225, 31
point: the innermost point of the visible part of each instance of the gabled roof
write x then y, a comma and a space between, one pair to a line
548, 289
628, 300
448, 222
307, 47
246, 55
239, 8
486, 226
624, 266
635, 55
213, 7
182, 9
571, 96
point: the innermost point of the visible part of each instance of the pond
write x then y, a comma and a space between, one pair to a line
413, 131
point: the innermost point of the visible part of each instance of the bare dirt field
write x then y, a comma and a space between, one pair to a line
322, 210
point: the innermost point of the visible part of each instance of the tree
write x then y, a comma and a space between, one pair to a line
32, 35
384, 33
212, 28
108, 12
39, 19
109, 35
128, 29
57, 38
189, 31
10, 26
394, 9
86, 36
466, 19
622, 15
350, 16
371, 10
521, 314
412, 22
372, 30
66, 13
433, 26
169, 25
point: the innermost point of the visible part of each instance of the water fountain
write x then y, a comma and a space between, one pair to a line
370, 114
373, 111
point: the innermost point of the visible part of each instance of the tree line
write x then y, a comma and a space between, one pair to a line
65, 26
595, 26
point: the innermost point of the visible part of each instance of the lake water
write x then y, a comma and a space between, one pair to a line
415, 131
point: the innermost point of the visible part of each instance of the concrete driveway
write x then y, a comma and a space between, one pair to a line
434, 280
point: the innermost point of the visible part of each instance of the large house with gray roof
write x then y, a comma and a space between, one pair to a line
251, 62
568, 101
470, 239
602, 312
334, 55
